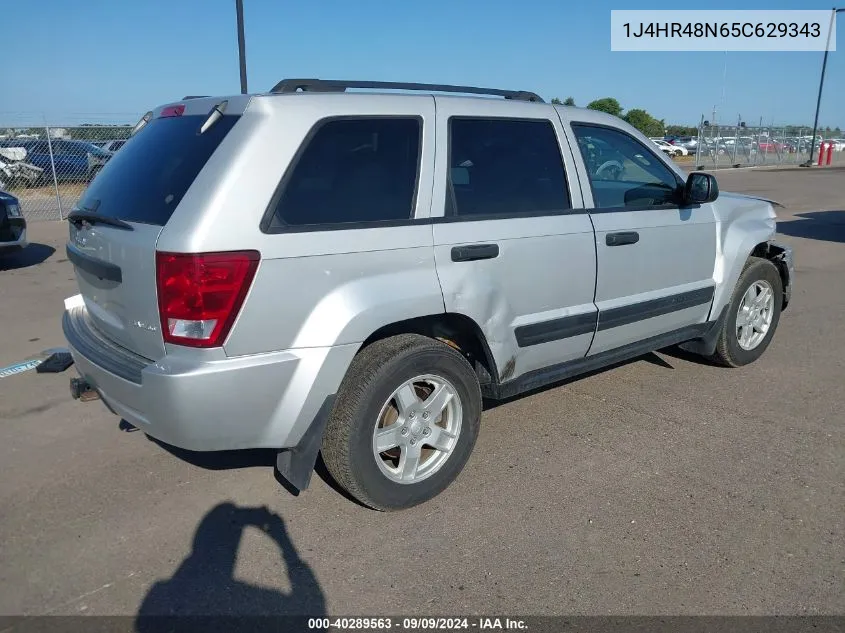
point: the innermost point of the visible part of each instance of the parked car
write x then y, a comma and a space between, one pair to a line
73, 160
838, 144
12, 225
718, 145
793, 145
689, 143
668, 148
402, 256
741, 146
771, 147
15, 170
113, 146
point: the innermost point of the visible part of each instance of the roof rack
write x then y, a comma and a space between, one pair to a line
286, 86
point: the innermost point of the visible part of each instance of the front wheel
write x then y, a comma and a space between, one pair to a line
753, 314
405, 422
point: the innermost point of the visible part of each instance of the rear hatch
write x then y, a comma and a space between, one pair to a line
115, 226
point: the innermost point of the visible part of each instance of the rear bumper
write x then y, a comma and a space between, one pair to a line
204, 404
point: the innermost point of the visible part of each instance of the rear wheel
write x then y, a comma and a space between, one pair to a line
753, 314
404, 423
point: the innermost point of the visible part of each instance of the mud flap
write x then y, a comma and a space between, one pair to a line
296, 465
705, 345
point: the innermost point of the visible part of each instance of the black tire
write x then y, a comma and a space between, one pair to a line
374, 374
728, 351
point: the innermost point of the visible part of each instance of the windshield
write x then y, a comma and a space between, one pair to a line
145, 181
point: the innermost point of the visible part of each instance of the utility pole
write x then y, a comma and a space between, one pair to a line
833, 13
239, 8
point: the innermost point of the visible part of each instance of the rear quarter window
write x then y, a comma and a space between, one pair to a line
147, 179
351, 170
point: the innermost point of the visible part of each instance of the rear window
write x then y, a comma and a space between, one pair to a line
147, 179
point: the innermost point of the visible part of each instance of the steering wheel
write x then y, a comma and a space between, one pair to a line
609, 170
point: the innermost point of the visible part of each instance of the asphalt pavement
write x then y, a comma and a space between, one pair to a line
663, 486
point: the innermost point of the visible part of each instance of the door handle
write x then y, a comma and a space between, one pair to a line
473, 252
620, 239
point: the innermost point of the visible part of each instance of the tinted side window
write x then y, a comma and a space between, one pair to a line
66, 149
504, 166
623, 172
37, 148
71, 149
352, 170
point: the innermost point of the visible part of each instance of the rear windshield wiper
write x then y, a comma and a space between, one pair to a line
78, 216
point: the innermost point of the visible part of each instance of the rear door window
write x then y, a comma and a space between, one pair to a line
147, 179
504, 167
351, 170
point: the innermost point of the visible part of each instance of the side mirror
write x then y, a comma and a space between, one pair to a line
700, 188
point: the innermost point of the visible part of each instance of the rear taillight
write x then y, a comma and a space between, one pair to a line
200, 294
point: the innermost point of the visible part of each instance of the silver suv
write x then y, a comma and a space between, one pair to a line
316, 270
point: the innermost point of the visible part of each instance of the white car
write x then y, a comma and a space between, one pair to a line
672, 150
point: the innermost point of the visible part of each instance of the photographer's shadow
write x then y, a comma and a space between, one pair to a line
204, 583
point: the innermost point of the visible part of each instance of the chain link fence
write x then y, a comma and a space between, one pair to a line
48, 168
723, 146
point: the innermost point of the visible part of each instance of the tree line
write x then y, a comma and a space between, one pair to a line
653, 127
637, 117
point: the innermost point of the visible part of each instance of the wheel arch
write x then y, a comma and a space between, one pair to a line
747, 232
456, 330
773, 252
776, 254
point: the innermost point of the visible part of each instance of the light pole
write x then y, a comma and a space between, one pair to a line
833, 13
239, 8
